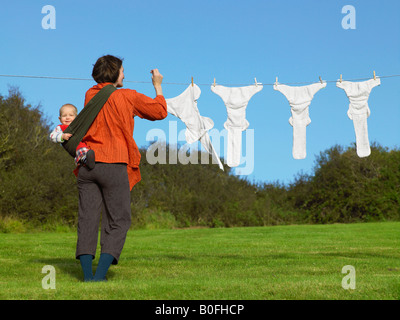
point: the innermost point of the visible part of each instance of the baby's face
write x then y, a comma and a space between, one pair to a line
67, 115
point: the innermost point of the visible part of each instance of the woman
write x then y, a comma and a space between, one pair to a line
117, 166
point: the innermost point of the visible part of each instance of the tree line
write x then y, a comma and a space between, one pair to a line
37, 185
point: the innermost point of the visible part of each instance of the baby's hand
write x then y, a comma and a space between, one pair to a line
66, 136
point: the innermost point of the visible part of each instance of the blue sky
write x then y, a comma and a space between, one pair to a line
232, 41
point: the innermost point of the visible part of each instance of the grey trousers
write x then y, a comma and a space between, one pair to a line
105, 187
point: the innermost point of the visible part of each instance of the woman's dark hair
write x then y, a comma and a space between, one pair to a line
106, 69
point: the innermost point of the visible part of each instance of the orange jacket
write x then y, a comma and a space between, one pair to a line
111, 134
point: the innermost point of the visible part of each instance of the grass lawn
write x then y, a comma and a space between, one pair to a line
280, 262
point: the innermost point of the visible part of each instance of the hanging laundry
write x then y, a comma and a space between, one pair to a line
236, 100
358, 94
185, 108
299, 100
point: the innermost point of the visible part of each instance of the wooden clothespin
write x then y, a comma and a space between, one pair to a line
374, 75
276, 80
320, 79
192, 81
340, 78
255, 81
214, 82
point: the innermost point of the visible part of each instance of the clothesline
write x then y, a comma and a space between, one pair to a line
185, 84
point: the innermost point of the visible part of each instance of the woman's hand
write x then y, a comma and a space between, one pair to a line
157, 80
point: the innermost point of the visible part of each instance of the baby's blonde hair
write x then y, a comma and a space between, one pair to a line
69, 105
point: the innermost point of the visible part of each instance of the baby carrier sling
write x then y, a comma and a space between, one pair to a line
81, 124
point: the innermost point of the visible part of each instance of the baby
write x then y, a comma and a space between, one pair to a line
84, 155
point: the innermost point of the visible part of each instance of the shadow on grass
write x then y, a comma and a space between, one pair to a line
71, 267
